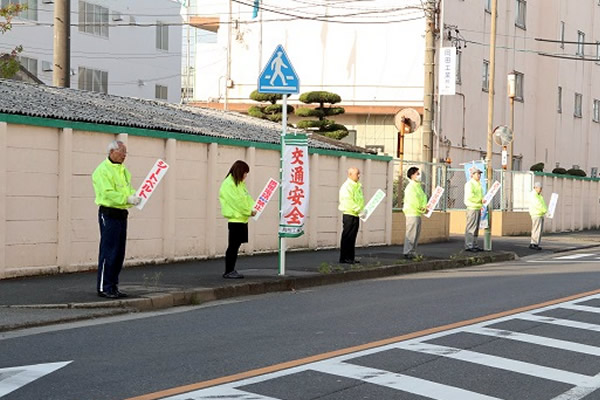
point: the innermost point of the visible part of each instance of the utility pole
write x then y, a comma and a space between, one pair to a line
487, 245
61, 75
228, 73
428, 87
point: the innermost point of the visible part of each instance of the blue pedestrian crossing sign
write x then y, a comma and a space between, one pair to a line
279, 76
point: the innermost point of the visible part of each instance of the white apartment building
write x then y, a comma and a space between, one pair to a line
377, 69
122, 47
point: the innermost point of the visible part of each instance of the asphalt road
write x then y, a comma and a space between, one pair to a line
534, 355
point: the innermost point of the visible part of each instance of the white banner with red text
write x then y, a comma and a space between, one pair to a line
152, 180
295, 186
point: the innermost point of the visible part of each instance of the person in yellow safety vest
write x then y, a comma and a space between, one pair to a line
352, 205
415, 205
474, 203
237, 207
114, 195
537, 210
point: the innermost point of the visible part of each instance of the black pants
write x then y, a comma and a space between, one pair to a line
113, 237
350, 225
238, 234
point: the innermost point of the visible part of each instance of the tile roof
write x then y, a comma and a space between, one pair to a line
83, 106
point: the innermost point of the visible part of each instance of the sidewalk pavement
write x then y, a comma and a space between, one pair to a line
42, 300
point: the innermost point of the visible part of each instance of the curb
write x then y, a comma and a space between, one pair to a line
204, 295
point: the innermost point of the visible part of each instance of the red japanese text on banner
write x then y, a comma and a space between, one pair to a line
148, 186
295, 186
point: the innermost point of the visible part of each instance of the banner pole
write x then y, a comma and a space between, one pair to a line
283, 132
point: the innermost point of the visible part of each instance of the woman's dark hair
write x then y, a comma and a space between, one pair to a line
411, 172
237, 171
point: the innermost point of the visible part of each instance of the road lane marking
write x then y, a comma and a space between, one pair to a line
506, 364
405, 383
355, 351
577, 307
539, 340
14, 378
561, 322
574, 256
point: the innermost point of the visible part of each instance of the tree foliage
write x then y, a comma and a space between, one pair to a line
322, 124
272, 112
9, 65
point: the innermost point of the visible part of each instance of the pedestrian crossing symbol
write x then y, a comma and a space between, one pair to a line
279, 76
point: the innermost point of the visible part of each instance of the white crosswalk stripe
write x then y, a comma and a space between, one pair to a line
499, 362
401, 382
580, 385
574, 256
539, 340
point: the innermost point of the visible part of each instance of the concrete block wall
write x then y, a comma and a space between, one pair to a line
48, 219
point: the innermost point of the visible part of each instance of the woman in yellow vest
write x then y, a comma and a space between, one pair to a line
237, 207
415, 205
537, 210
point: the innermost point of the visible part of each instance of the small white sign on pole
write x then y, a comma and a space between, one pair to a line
152, 180
491, 193
266, 195
373, 203
434, 200
552, 205
447, 71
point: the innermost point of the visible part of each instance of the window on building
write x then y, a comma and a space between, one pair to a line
485, 82
31, 11
562, 34
162, 36
93, 80
521, 13
93, 19
580, 42
578, 102
30, 64
487, 4
161, 92
596, 111
559, 103
458, 67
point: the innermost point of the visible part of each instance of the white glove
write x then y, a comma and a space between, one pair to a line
362, 214
134, 200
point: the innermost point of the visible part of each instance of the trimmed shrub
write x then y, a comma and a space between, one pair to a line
576, 172
559, 170
539, 167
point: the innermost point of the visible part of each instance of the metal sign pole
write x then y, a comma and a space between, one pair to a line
283, 132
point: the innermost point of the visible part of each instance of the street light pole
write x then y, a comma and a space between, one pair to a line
487, 245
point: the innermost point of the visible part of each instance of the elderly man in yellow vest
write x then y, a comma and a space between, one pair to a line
352, 205
537, 210
474, 203
114, 195
415, 205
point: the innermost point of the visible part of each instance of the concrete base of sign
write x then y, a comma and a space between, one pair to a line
434, 229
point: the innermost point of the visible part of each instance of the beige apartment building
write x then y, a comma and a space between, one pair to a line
553, 48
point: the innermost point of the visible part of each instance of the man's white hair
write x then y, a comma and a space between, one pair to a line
114, 145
